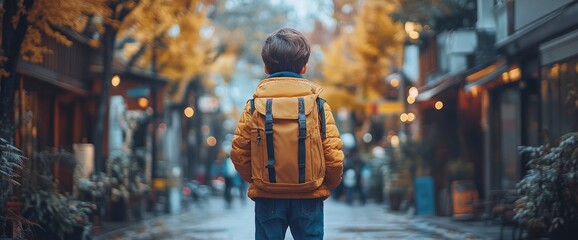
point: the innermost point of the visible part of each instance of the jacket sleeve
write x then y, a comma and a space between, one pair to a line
241, 147
333, 150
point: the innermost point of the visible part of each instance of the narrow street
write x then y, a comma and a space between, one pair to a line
213, 221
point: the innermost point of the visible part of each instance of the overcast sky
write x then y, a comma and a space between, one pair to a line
306, 11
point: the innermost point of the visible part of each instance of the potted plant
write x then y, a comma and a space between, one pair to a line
118, 170
59, 216
56, 215
549, 190
94, 190
11, 160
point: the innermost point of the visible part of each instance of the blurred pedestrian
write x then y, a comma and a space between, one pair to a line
229, 174
242, 187
360, 180
285, 119
349, 183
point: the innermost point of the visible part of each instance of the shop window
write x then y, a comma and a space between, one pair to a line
569, 101
510, 137
560, 98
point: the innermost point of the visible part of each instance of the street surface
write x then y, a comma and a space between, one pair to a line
342, 222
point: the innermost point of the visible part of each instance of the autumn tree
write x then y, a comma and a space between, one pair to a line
341, 68
148, 21
377, 44
365, 52
175, 49
24, 23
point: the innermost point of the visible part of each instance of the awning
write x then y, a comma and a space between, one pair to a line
545, 28
439, 85
485, 75
54, 78
144, 76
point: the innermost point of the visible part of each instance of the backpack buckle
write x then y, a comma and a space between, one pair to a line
302, 133
270, 164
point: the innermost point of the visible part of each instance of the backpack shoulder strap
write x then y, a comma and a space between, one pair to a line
270, 147
321, 111
252, 102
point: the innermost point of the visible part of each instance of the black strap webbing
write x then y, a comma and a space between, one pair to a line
320, 103
301, 144
269, 134
252, 101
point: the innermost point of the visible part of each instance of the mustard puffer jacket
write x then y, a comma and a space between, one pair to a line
332, 145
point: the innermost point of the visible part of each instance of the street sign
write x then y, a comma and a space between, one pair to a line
385, 108
138, 92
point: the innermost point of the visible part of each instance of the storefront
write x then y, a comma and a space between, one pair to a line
559, 85
438, 108
508, 113
52, 104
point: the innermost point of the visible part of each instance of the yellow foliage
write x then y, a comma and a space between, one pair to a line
339, 98
45, 15
360, 59
179, 56
32, 46
356, 62
176, 55
152, 18
93, 43
379, 40
340, 66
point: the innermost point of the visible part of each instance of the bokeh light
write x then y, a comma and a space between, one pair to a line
115, 81
439, 105
211, 141
189, 112
143, 102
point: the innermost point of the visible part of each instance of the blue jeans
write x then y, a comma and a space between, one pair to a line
303, 216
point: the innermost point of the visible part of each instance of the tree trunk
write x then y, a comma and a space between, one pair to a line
103, 103
12, 38
119, 12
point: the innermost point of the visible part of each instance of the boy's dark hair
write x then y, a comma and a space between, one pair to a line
285, 50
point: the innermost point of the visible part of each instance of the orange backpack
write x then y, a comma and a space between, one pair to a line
287, 143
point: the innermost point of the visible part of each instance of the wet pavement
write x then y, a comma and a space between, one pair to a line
213, 220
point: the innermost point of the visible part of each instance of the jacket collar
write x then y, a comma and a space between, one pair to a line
285, 74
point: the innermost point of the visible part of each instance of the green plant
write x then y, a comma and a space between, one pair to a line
549, 190
95, 186
54, 212
11, 158
126, 176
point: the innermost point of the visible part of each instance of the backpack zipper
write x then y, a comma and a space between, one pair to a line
258, 136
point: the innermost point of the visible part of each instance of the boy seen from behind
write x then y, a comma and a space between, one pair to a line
287, 144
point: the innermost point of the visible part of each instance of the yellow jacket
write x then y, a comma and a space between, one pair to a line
332, 145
